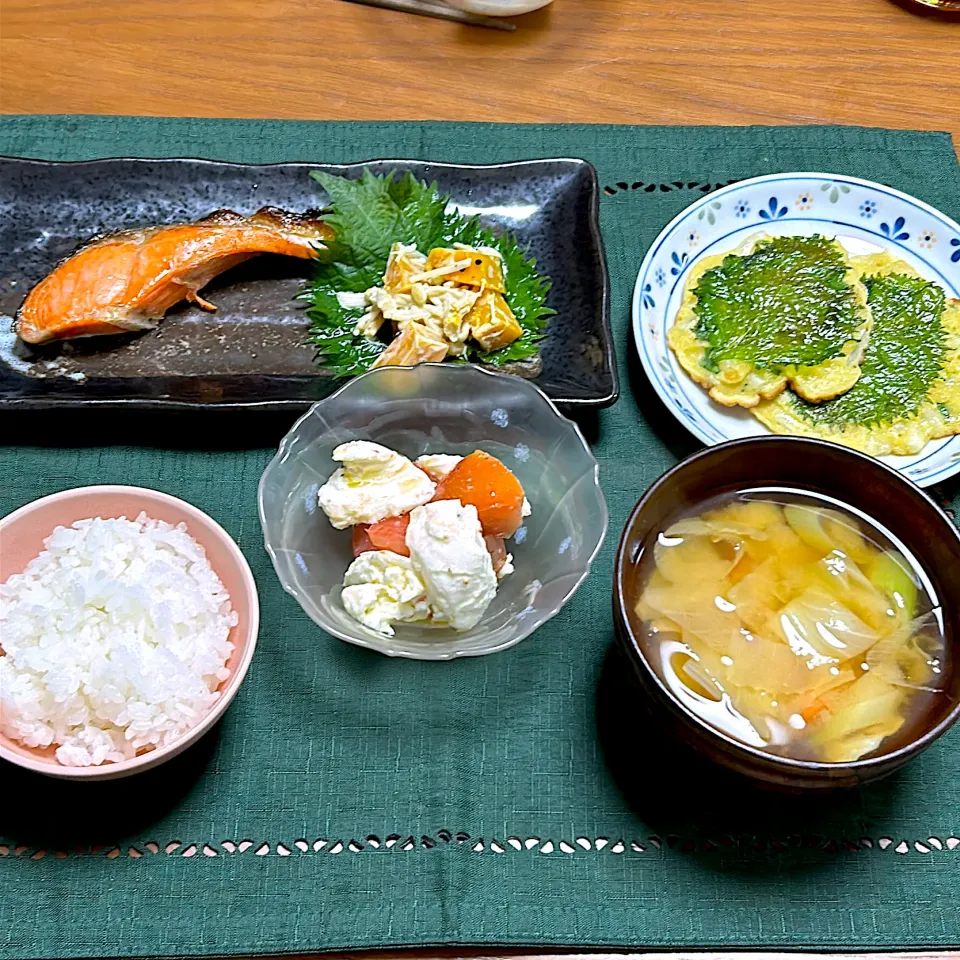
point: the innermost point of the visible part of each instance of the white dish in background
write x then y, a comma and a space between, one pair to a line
865, 217
498, 8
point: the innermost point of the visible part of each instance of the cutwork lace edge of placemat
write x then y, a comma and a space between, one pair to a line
575, 845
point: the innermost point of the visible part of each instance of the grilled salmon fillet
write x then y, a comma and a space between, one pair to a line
128, 281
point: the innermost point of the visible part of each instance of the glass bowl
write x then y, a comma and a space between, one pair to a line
439, 408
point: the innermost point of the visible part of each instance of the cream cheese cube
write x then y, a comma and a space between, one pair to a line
382, 588
373, 483
448, 552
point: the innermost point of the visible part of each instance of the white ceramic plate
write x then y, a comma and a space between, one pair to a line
498, 8
864, 216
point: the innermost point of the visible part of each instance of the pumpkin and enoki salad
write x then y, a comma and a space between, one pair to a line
407, 279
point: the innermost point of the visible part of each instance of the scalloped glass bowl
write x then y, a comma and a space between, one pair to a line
439, 408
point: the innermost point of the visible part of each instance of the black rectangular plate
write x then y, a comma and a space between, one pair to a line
252, 353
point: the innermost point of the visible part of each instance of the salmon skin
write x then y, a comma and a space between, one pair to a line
128, 281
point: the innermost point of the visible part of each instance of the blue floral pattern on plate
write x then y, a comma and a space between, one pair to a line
773, 210
786, 203
896, 232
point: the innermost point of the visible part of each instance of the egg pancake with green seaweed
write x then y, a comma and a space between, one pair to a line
909, 389
778, 311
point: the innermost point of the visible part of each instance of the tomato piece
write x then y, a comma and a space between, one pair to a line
497, 551
484, 482
361, 540
391, 534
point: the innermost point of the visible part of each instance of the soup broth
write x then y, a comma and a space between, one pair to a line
793, 623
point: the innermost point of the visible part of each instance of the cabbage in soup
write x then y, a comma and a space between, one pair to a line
793, 624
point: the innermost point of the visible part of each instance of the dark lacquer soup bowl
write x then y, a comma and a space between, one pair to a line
807, 468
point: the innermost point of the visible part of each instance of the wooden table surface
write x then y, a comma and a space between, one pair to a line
624, 61
619, 61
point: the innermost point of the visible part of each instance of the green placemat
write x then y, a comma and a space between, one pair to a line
349, 800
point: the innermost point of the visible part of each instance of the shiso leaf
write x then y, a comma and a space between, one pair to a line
908, 346
787, 302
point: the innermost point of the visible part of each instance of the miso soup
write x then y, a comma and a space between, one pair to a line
793, 623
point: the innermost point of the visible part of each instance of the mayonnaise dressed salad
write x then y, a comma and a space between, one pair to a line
428, 535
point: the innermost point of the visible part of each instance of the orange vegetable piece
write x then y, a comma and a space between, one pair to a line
812, 711
400, 268
479, 270
361, 540
415, 344
484, 482
492, 323
391, 534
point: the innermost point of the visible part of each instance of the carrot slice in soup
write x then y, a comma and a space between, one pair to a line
813, 710
484, 482
391, 534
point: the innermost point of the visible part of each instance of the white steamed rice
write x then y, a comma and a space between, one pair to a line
115, 640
